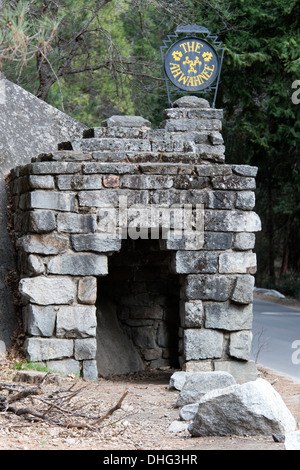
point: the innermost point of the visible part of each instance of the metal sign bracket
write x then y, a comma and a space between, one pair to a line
212, 39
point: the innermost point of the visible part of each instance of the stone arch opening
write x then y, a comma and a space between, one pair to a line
138, 309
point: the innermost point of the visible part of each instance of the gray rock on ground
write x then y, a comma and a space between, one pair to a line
188, 412
178, 379
178, 426
199, 383
253, 408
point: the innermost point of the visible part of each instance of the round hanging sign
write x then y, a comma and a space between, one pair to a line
191, 64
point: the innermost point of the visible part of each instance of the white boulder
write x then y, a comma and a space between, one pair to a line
251, 408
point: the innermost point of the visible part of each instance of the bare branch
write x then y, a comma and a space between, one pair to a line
113, 409
56, 408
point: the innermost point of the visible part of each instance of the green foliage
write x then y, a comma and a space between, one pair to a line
22, 34
30, 366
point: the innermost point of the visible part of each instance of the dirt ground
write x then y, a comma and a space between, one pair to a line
142, 422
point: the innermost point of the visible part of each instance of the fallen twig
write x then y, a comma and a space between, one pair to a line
113, 409
55, 408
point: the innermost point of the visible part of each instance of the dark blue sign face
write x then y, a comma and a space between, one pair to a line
191, 64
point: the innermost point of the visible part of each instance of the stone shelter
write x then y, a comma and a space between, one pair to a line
135, 248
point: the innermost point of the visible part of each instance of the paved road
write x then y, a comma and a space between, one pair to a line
279, 328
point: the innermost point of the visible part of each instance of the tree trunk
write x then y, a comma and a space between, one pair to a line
271, 260
286, 249
46, 77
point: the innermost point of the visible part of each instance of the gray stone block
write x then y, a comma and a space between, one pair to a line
102, 198
41, 221
194, 137
191, 182
191, 314
103, 144
194, 262
237, 262
165, 168
41, 181
79, 265
76, 321
191, 102
35, 265
220, 200
44, 349
108, 168
217, 241
243, 241
184, 241
44, 244
126, 121
175, 125
146, 182
97, 242
202, 344
79, 182
242, 371
213, 170
245, 170
87, 290
44, 290
245, 200
203, 287
243, 289
85, 349
216, 138
233, 182
40, 321
165, 145
232, 221
212, 152
109, 156
240, 345
76, 223
65, 156
164, 335
144, 337
90, 370
64, 367
211, 113
198, 366
52, 168
60, 201
228, 316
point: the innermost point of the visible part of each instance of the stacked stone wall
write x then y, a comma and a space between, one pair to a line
59, 203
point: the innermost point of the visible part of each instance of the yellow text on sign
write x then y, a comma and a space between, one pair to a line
191, 46
191, 81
